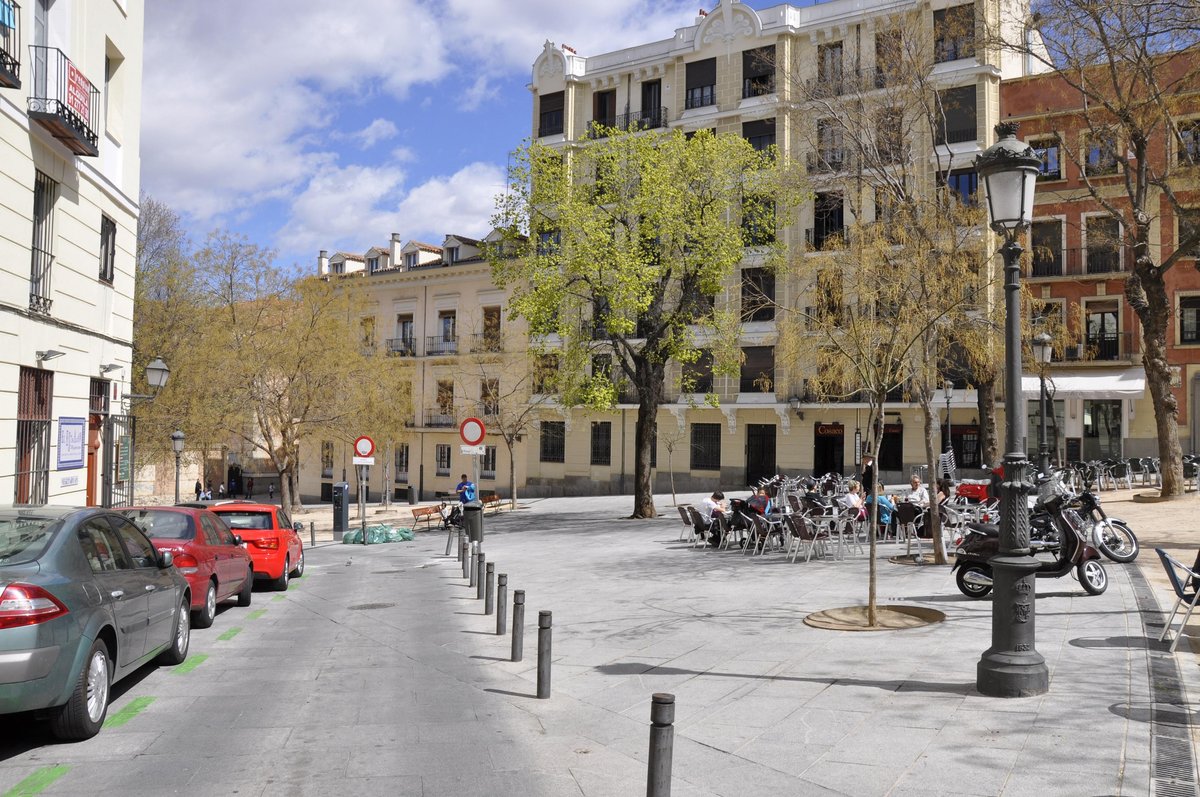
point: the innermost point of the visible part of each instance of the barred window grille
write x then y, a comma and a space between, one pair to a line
45, 191
98, 396
487, 465
601, 443
553, 440
402, 463
34, 390
706, 446
442, 457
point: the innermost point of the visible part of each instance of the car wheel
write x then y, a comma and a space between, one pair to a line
180, 640
247, 590
299, 571
82, 716
281, 583
204, 617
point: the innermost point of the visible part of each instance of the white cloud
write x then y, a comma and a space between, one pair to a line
372, 134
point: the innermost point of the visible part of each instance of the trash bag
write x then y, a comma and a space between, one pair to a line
378, 534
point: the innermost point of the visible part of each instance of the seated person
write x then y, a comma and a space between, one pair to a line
715, 504
919, 494
761, 502
945, 491
853, 498
886, 507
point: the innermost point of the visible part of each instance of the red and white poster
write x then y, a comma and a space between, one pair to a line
79, 95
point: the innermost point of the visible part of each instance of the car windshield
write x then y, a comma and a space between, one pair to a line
161, 524
22, 539
247, 520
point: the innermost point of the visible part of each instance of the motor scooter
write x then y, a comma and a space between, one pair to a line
1072, 551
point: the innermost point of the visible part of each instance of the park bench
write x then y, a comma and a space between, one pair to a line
426, 515
492, 501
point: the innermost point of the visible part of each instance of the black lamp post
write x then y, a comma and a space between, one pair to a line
1043, 349
1012, 667
177, 447
948, 392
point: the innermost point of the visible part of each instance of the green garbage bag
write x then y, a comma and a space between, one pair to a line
377, 534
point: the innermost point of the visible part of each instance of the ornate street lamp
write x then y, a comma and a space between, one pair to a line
948, 392
1012, 667
177, 447
1043, 350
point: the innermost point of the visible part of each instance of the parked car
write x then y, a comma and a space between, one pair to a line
273, 543
209, 555
85, 600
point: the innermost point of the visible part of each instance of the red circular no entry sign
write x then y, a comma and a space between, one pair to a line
364, 446
472, 431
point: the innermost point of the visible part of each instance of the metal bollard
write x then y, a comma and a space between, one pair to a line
312, 534
471, 565
543, 662
480, 581
502, 604
449, 539
464, 556
662, 741
489, 594
518, 634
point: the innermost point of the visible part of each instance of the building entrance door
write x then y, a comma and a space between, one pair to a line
828, 444
1102, 429
760, 452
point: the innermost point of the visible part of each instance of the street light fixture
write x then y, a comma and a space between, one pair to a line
177, 447
1012, 667
948, 392
157, 374
1043, 350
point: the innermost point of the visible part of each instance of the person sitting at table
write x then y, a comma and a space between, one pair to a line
715, 504
761, 502
886, 507
853, 498
945, 490
919, 494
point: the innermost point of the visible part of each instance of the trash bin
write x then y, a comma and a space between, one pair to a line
341, 510
473, 520
412, 495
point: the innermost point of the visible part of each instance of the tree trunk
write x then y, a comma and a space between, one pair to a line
985, 403
1147, 293
649, 388
512, 475
285, 490
933, 425
671, 471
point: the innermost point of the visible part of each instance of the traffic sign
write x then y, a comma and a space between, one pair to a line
472, 431
364, 446
363, 460
472, 451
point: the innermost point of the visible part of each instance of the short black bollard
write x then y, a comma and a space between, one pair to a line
501, 604
518, 634
489, 594
312, 534
543, 662
662, 741
471, 556
480, 581
464, 556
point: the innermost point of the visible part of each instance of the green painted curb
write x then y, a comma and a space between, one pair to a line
192, 663
39, 780
230, 634
257, 613
131, 710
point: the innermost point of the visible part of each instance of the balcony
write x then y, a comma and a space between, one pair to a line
958, 134
828, 161
699, 97
64, 101
489, 342
10, 45
440, 418
647, 119
401, 347
758, 86
441, 344
1079, 262
816, 238
1104, 347
847, 81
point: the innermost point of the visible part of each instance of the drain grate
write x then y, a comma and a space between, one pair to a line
361, 606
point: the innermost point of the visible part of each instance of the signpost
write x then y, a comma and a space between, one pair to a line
472, 431
364, 449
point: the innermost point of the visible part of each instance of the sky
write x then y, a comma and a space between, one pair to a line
307, 125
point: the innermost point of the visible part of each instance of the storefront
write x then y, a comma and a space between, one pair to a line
1092, 409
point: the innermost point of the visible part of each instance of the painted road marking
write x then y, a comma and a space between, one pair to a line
277, 598
257, 613
131, 710
192, 663
230, 634
35, 783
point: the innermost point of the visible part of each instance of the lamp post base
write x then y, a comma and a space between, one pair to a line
1012, 667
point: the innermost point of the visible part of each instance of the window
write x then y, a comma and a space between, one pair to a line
45, 192
402, 463
367, 328
551, 445
403, 342
601, 366
1189, 225
141, 552
828, 299
1103, 335
830, 155
1046, 244
957, 116
1048, 150
445, 396
98, 396
491, 329
1189, 319
447, 321
34, 390
545, 368
889, 135
954, 33
550, 114
758, 295
760, 134
489, 397
411, 260
891, 448
1103, 234
1189, 142
326, 459
1101, 148
758, 71
962, 184
101, 547
758, 369
706, 446
441, 456
701, 83
889, 55
829, 68
487, 465
604, 108
697, 377
108, 249
828, 219
452, 254
758, 221
548, 242
372, 265
601, 443
653, 114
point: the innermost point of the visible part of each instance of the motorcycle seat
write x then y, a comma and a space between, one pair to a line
986, 529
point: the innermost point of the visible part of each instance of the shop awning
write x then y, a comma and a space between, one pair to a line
1127, 383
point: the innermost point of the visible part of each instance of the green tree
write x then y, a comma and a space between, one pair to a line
621, 247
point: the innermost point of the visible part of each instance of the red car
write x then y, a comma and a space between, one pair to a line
205, 551
272, 542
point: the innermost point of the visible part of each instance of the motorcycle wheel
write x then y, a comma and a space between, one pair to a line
1093, 577
971, 590
1116, 541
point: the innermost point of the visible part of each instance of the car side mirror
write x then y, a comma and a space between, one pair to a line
165, 559
237, 540
298, 527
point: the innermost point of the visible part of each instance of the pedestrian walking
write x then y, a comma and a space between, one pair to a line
271, 491
221, 490
250, 487
199, 489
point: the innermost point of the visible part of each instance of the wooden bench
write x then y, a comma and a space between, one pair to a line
491, 501
426, 515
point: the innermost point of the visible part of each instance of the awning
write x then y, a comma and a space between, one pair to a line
1127, 383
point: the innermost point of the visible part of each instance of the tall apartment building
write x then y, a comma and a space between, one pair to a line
70, 117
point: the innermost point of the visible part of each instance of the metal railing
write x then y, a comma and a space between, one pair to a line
550, 124
441, 344
758, 86
699, 97
833, 159
10, 44
64, 101
956, 135
816, 238
439, 419
487, 342
33, 463
401, 347
646, 119
1045, 261
1108, 346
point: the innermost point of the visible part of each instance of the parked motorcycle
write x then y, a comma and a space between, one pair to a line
1112, 536
1056, 531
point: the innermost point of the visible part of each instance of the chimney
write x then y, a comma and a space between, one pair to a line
394, 250
323, 263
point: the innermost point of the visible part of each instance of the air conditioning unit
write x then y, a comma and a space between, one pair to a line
1072, 352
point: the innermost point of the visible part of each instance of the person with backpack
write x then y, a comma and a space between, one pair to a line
466, 490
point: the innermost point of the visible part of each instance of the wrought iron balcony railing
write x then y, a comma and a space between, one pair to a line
1079, 261
486, 342
758, 86
646, 119
958, 134
550, 124
10, 44
441, 344
64, 101
828, 161
1105, 346
825, 237
401, 347
440, 419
